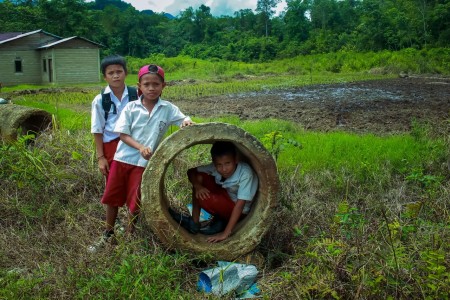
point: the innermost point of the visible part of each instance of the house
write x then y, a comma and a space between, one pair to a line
39, 57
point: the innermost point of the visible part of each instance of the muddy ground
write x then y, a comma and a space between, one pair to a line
380, 106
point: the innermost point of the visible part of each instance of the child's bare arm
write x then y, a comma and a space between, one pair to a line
101, 159
200, 191
146, 152
235, 215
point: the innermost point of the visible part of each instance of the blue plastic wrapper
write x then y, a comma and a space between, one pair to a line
204, 215
229, 277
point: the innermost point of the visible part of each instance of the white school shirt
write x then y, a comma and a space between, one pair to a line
98, 124
147, 129
242, 185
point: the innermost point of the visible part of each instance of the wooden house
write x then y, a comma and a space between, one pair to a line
39, 57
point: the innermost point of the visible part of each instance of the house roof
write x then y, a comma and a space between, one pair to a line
49, 45
11, 36
8, 35
17, 35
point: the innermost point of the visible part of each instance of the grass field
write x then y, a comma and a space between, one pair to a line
360, 216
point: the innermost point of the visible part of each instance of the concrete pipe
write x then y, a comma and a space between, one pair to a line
249, 232
16, 120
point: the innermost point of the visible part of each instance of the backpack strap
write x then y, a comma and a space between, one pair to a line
107, 102
132, 93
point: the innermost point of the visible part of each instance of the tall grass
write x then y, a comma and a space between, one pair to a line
360, 216
407, 60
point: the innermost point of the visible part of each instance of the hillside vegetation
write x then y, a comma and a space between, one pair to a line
304, 27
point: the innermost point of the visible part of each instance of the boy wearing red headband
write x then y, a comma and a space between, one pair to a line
141, 125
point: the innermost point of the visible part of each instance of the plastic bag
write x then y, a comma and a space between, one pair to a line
204, 215
228, 277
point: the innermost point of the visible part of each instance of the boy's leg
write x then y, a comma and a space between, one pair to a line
191, 224
115, 192
132, 219
133, 195
113, 197
111, 215
109, 149
195, 208
218, 203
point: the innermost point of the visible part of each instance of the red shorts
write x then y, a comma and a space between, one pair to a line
123, 186
219, 202
109, 149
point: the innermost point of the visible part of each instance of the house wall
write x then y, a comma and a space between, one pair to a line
76, 65
24, 49
46, 55
31, 67
73, 61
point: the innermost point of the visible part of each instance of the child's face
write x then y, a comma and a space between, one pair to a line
115, 76
225, 164
151, 86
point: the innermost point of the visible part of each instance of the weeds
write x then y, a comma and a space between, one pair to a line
359, 217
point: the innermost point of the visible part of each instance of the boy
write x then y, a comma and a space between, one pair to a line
114, 70
224, 188
141, 126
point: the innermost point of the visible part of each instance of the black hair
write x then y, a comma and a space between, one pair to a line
113, 60
221, 148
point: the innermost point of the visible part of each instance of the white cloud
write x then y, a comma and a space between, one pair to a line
218, 7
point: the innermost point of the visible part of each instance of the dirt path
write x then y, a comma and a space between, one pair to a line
381, 106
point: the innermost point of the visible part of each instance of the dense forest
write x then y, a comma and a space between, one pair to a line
305, 27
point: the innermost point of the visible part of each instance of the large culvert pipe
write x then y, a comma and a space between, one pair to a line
16, 120
249, 231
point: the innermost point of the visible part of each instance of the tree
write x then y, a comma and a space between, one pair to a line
297, 24
266, 8
245, 19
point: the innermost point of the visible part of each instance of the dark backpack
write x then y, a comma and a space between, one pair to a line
106, 100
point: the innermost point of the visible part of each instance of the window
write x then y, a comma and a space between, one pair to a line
44, 65
18, 65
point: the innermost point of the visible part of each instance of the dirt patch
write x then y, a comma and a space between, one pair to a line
377, 106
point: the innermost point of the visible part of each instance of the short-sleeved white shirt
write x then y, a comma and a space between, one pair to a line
98, 123
242, 185
147, 129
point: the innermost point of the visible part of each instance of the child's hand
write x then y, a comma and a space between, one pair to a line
218, 237
146, 152
201, 192
103, 165
186, 123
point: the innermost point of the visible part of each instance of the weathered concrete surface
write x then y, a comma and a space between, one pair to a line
250, 231
19, 120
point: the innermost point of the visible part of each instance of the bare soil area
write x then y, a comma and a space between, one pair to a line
377, 106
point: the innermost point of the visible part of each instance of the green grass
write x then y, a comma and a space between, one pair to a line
354, 210
360, 215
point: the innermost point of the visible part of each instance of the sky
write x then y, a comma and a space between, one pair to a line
218, 7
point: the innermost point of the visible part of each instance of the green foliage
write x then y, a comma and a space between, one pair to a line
360, 215
348, 219
134, 277
304, 27
275, 143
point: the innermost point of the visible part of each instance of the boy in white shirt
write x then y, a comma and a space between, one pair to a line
224, 188
114, 70
141, 125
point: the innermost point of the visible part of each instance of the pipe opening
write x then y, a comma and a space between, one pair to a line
165, 183
17, 120
177, 190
